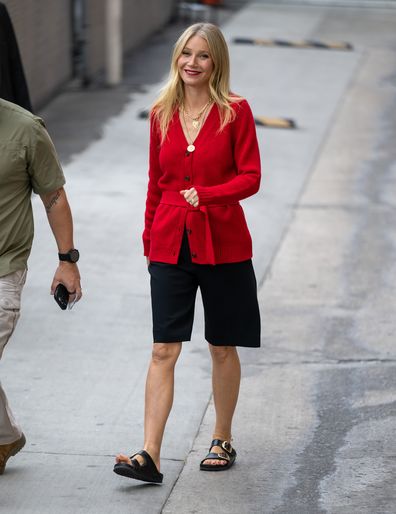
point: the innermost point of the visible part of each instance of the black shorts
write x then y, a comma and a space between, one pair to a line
229, 297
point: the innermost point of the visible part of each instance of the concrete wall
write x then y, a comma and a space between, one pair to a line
44, 37
152, 13
95, 35
140, 19
44, 32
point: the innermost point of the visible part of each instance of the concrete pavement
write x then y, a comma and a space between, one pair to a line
317, 408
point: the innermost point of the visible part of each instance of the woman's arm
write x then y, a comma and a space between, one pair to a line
153, 191
247, 160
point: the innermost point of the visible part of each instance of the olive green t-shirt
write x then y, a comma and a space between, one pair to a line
28, 161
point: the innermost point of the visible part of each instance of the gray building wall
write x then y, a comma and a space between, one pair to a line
44, 32
151, 13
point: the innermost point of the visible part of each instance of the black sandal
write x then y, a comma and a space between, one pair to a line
147, 472
228, 455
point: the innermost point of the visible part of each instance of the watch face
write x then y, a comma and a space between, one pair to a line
74, 255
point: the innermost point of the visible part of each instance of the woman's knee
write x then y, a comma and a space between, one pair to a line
221, 354
165, 353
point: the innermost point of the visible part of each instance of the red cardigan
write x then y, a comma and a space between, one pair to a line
224, 168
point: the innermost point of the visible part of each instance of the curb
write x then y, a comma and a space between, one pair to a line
263, 121
340, 45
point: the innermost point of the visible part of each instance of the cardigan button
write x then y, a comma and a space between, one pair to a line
188, 230
187, 178
193, 255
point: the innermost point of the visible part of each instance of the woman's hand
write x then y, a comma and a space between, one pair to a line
191, 196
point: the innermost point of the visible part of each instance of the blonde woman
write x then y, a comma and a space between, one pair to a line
203, 160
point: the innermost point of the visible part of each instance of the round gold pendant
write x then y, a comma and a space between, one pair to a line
195, 124
190, 148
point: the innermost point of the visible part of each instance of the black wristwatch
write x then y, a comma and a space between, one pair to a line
71, 256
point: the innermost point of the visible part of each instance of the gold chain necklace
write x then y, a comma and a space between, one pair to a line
195, 119
190, 140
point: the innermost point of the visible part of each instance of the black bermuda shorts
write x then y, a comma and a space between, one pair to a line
229, 297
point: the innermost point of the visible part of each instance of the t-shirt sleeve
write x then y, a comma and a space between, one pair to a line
44, 167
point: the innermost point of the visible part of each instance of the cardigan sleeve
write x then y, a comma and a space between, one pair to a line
153, 190
247, 161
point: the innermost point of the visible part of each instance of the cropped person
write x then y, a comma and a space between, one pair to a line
13, 86
28, 162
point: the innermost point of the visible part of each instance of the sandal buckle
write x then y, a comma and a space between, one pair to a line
226, 446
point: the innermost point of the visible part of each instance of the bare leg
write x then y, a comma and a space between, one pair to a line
226, 377
158, 399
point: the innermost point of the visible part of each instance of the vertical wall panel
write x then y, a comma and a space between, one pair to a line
44, 36
44, 33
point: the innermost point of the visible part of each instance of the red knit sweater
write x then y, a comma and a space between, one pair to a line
224, 168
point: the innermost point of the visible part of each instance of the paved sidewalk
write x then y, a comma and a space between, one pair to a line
317, 408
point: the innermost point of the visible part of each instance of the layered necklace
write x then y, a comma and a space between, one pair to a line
196, 121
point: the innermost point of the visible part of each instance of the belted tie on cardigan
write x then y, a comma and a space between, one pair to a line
177, 199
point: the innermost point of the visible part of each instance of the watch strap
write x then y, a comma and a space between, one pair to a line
71, 256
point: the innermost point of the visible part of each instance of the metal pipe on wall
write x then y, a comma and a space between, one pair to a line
113, 63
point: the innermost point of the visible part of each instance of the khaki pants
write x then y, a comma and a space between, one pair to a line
10, 303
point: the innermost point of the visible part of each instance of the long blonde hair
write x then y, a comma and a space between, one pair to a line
172, 94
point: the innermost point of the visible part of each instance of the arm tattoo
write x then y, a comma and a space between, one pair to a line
52, 202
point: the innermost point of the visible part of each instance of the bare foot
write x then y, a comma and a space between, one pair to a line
120, 457
211, 462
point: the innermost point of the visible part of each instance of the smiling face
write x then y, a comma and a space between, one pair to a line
195, 63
